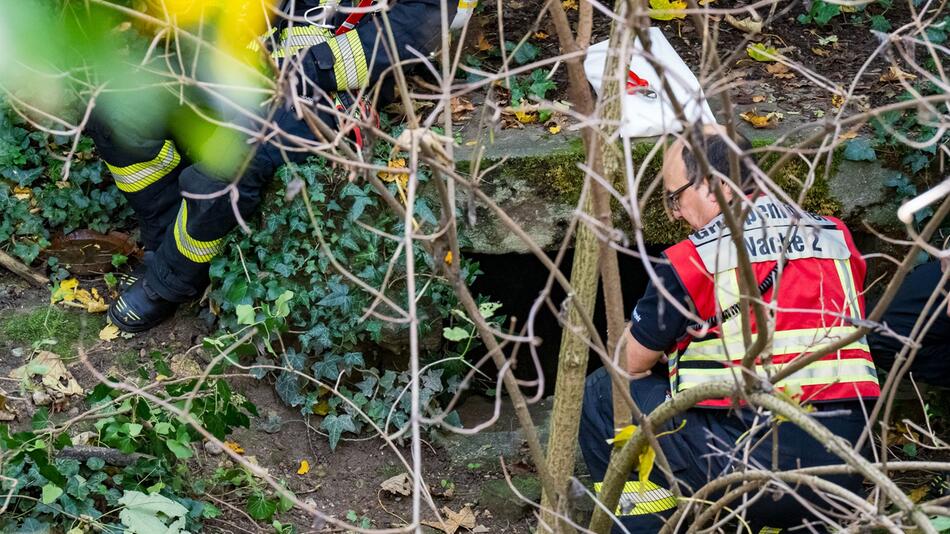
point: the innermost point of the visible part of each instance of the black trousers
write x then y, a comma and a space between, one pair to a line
700, 446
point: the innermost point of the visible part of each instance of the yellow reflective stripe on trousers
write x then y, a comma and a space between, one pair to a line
727, 294
652, 499
191, 248
817, 373
349, 65
136, 177
783, 342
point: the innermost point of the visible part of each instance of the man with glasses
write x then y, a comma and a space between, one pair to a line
819, 275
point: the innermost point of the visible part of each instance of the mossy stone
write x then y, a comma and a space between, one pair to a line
496, 495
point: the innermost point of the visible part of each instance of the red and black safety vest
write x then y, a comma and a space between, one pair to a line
820, 288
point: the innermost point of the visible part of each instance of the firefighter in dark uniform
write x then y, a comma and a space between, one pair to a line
823, 274
340, 54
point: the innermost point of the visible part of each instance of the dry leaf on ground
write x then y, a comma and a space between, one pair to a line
569, 4
7, 412
460, 107
758, 98
464, 518
234, 446
746, 24
780, 70
837, 101
758, 121
820, 52
109, 332
540, 36
304, 467
848, 135
917, 494
400, 484
54, 377
895, 74
482, 44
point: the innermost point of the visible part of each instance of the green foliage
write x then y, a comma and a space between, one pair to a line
279, 279
820, 13
534, 85
35, 203
859, 150
52, 490
526, 53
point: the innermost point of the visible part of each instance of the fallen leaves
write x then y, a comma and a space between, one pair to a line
761, 52
464, 518
760, 121
7, 412
569, 4
747, 24
555, 129
69, 293
400, 484
304, 467
461, 108
895, 74
56, 383
234, 446
109, 332
829, 40
821, 52
917, 494
758, 98
837, 101
780, 71
541, 36
667, 9
482, 44
401, 178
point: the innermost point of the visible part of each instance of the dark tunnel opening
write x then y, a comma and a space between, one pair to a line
516, 280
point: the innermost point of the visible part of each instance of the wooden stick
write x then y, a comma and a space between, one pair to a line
16, 267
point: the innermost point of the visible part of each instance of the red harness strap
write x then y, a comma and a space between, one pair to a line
354, 18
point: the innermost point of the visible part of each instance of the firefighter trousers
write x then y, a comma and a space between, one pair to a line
185, 208
701, 445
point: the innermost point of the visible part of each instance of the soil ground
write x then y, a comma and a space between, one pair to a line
340, 481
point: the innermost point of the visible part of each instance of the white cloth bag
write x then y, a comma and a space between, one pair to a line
643, 116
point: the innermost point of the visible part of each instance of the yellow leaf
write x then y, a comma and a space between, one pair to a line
757, 121
304, 467
760, 52
667, 9
647, 459
109, 332
91, 300
623, 435
917, 494
837, 101
482, 44
540, 36
705, 2
321, 408
237, 449
555, 129
569, 4
65, 292
893, 74
160, 377
820, 52
526, 117
847, 135
400, 178
22, 193
448, 258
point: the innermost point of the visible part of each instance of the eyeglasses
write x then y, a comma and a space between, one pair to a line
673, 197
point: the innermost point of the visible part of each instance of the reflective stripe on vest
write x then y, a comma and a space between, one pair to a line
732, 348
822, 372
136, 177
191, 248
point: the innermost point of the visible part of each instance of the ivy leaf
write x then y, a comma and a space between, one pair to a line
148, 514
288, 389
282, 304
455, 333
339, 297
51, 492
179, 449
245, 314
335, 425
260, 507
526, 53
667, 9
859, 150
760, 52
328, 367
916, 161
353, 359
880, 23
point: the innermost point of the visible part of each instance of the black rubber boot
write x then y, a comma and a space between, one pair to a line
125, 280
139, 308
